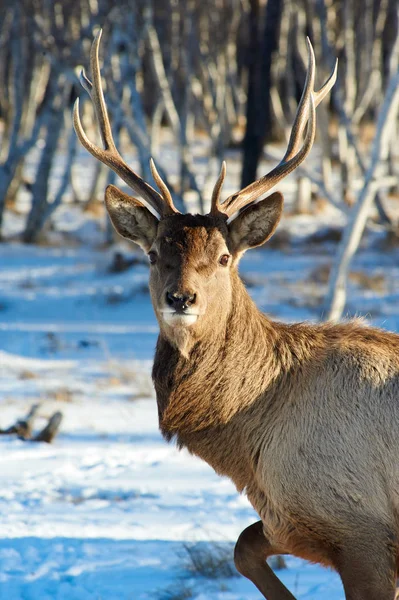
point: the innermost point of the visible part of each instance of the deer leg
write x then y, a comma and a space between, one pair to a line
250, 554
369, 571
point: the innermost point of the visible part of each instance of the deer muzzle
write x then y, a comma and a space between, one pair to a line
180, 308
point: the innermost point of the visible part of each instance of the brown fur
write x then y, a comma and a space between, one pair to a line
303, 418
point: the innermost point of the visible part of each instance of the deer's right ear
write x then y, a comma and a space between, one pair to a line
130, 218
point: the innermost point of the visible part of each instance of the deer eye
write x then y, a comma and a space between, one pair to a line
152, 257
224, 260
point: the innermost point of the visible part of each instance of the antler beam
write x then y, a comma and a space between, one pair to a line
294, 156
159, 205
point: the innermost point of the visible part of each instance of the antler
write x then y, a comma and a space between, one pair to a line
159, 205
293, 157
215, 202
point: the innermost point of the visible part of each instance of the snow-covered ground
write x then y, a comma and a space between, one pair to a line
106, 510
109, 510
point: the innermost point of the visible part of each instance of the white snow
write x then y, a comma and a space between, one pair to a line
104, 511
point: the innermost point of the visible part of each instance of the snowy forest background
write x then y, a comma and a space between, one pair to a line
108, 509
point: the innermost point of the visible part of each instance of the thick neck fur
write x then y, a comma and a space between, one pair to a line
226, 371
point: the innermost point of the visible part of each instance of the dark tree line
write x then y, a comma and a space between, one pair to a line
225, 70
361, 34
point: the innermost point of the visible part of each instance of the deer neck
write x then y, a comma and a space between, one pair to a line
221, 375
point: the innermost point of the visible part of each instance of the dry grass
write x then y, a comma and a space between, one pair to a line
375, 282
180, 590
122, 374
95, 208
26, 374
61, 394
206, 560
211, 560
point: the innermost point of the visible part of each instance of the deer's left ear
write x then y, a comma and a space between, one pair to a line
130, 218
255, 224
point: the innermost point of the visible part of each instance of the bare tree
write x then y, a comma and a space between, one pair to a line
187, 67
336, 296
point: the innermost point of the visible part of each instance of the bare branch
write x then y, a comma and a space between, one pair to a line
336, 296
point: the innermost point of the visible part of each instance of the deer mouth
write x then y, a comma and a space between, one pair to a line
175, 318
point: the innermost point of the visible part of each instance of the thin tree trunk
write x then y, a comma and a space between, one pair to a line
253, 139
40, 187
66, 176
259, 105
336, 296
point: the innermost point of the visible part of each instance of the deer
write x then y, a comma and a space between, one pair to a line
303, 418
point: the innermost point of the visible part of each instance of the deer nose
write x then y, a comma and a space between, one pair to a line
180, 301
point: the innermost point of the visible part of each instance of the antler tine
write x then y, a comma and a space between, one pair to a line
301, 116
163, 188
293, 157
277, 174
323, 91
110, 156
215, 203
96, 94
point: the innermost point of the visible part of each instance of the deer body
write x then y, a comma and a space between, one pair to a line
303, 418
303, 429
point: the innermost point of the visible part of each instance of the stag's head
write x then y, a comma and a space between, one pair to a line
193, 258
